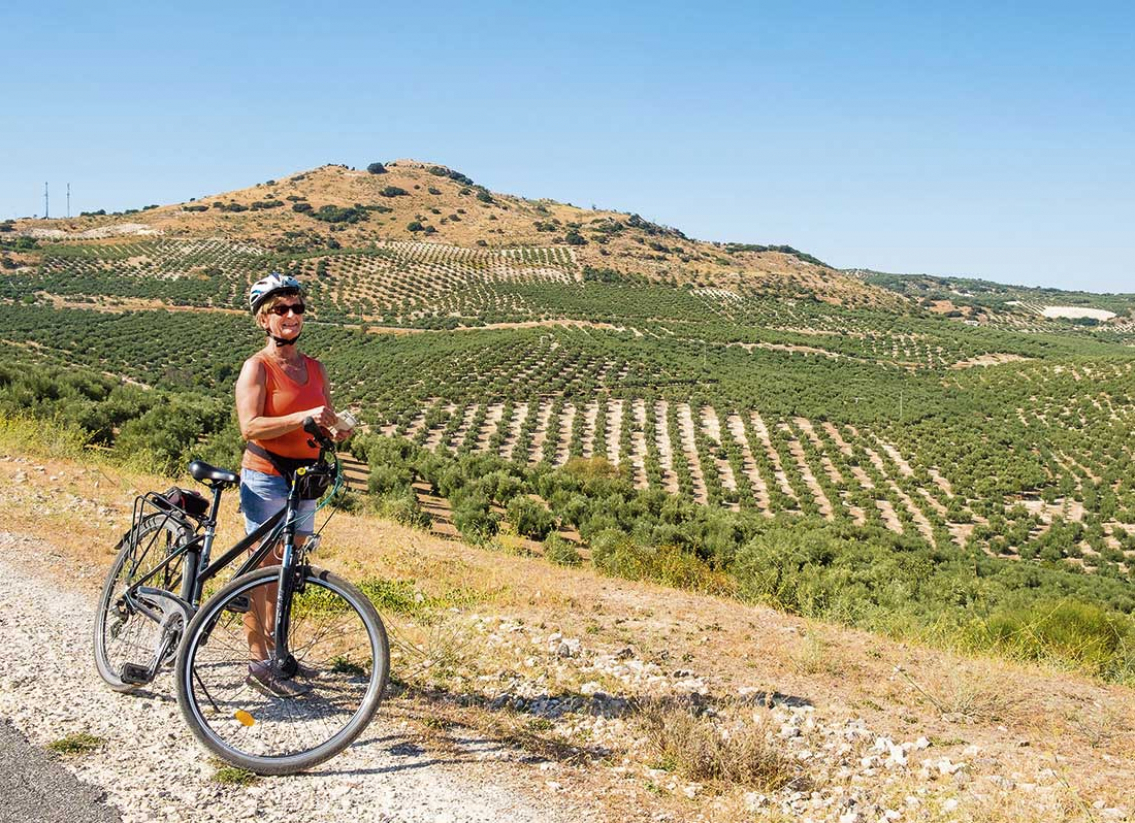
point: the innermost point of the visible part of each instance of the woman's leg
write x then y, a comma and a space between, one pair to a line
260, 618
260, 621
261, 496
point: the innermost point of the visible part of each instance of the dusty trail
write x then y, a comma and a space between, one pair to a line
153, 770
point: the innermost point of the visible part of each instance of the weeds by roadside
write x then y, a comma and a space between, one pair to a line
961, 695
233, 776
75, 744
706, 749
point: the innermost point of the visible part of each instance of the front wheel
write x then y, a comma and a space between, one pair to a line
280, 719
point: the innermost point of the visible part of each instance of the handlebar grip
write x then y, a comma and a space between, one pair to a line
312, 428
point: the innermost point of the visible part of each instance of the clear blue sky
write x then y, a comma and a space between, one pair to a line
989, 139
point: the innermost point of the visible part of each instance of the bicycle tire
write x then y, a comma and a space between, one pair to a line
258, 732
142, 633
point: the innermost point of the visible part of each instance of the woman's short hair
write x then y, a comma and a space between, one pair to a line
275, 300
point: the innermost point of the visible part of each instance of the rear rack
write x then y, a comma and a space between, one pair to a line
152, 505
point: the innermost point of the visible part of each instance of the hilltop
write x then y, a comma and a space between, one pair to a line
334, 207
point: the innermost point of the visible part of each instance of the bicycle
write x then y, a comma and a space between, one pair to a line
329, 655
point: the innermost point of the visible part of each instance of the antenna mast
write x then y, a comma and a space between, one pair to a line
46, 213
68, 201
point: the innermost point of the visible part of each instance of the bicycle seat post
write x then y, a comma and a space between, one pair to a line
211, 522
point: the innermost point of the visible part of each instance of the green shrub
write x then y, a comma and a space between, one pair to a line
337, 214
452, 175
168, 432
617, 554
474, 520
530, 518
388, 478
403, 507
561, 552
1068, 632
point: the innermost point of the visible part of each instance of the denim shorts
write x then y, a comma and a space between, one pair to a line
262, 495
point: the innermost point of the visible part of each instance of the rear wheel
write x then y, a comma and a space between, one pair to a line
125, 634
283, 718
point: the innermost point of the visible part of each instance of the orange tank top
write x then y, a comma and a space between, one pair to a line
283, 395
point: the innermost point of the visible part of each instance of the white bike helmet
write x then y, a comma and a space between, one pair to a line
275, 283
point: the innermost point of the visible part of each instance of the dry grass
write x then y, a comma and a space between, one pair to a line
966, 695
814, 655
705, 750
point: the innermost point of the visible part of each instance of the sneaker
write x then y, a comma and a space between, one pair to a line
294, 668
263, 677
299, 670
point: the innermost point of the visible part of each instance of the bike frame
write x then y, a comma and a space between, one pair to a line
198, 570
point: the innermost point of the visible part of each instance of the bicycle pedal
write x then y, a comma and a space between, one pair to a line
239, 605
134, 674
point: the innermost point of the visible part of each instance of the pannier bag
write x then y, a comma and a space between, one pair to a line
192, 503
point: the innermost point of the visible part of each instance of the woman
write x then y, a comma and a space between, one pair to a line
278, 388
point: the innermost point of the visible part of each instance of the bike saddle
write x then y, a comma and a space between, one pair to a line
200, 470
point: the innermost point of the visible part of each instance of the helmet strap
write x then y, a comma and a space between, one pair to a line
283, 341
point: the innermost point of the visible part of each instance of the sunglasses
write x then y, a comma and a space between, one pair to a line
283, 309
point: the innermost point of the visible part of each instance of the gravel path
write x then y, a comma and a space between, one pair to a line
152, 769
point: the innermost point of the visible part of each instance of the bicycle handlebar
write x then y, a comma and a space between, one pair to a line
324, 442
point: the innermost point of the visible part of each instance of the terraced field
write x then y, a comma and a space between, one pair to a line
399, 282
711, 374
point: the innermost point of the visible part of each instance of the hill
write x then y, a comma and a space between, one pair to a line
1018, 307
335, 207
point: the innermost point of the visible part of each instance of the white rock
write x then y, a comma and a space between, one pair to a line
945, 766
755, 800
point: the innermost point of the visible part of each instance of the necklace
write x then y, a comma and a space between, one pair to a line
294, 368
